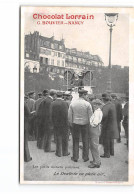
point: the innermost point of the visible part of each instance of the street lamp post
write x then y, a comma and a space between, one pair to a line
111, 19
34, 71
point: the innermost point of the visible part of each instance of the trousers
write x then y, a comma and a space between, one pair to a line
84, 131
61, 134
26, 148
108, 146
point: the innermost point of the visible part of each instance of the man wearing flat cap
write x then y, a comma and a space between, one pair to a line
109, 130
79, 114
59, 112
119, 114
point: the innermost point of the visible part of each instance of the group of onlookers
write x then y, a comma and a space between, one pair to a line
94, 122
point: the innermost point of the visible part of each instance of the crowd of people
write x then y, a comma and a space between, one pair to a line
92, 121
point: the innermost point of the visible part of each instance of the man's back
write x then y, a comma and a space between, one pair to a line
60, 112
109, 121
80, 112
37, 103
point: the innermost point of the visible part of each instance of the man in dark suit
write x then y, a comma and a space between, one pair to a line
109, 130
48, 127
40, 115
27, 114
59, 112
119, 115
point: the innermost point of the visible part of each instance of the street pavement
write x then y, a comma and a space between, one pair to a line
48, 167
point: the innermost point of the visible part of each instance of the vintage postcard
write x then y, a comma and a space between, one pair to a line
76, 69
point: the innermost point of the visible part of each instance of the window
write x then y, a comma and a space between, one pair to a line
48, 61
74, 59
52, 61
58, 54
58, 62
52, 45
58, 71
70, 57
46, 43
48, 52
55, 53
56, 46
62, 63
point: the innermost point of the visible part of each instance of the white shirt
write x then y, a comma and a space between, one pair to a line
96, 118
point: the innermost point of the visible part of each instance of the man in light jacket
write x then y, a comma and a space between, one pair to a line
79, 114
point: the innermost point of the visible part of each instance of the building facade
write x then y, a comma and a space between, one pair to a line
52, 55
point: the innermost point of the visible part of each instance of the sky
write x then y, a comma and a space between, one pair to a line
92, 36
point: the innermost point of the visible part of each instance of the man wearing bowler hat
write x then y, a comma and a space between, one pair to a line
109, 130
59, 112
79, 114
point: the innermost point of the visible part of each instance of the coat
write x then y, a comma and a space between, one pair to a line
109, 122
31, 104
44, 116
118, 107
59, 112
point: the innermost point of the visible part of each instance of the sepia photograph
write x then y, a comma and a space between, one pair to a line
74, 95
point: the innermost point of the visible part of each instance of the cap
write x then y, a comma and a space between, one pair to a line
67, 93
39, 94
59, 93
26, 96
105, 96
52, 92
31, 93
82, 91
113, 95
97, 101
45, 91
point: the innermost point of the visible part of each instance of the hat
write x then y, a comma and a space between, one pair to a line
82, 91
59, 93
52, 92
97, 101
105, 96
113, 95
39, 94
26, 96
45, 92
31, 93
70, 89
67, 93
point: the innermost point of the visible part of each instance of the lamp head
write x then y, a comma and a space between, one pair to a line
111, 19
